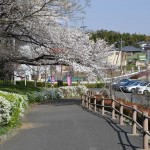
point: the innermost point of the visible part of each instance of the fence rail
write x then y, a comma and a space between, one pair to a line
93, 102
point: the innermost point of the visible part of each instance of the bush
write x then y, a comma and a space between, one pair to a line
73, 91
94, 85
5, 111
49, 85
19, 89
17, 104
56, 93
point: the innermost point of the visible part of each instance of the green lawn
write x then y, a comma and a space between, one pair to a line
19, 89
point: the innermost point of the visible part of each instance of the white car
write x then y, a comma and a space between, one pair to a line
143, 88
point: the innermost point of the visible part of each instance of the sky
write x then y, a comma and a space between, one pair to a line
132, 16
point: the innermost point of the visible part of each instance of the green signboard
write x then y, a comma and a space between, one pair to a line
142, 56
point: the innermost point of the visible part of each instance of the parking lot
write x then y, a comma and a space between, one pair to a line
137, 98
134, 86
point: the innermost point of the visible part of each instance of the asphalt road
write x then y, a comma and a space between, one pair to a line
66, 126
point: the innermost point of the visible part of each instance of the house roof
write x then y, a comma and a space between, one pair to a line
131, 49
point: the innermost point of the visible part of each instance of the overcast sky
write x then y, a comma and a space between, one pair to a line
131, 16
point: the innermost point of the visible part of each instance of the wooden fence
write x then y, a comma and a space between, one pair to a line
95, 102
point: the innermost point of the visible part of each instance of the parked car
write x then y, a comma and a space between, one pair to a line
116, 85
131, 87
143, 88
130, 83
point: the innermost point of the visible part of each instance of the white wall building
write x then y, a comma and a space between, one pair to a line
117, 58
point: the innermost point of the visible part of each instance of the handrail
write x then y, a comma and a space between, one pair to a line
90, 100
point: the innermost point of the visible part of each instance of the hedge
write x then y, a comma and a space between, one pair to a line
42, 84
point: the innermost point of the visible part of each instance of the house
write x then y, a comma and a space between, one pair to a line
147, 47
142, 44
130, 50
126, 55
147, 51
135, 55
117, 58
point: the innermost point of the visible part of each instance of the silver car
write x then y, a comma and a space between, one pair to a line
132, 87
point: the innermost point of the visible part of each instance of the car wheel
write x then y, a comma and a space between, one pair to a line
132, 90
145, 92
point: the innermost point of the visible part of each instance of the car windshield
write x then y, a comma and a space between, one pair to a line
127, 83
135, 83
123, 81
144, 83
131, 82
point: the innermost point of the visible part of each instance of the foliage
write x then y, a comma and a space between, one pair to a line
13, 107
111, 37
56, 93
44, 95
73, 91
94, 85
30, 86
5, 110
19, 89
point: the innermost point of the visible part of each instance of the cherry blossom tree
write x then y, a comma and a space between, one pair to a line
28, 21
72, 47
39, 25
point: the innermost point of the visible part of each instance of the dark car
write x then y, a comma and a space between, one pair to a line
116, 85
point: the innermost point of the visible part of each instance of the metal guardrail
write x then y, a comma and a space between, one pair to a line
91, 96
108, 80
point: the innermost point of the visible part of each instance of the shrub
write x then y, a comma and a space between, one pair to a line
55, 84
18, 103
56, 93
94, 85
73, 91
5, 111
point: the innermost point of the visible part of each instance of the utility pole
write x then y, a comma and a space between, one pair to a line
147, 50
121, 55
83, 27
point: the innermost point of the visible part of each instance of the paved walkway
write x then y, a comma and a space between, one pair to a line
66, 126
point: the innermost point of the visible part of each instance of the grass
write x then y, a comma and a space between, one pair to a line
4, 130
18, 89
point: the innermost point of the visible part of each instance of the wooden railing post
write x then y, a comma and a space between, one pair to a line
91, 93
89, 101
134, 119
88, 93
145, 128
87, 97
84, 101
121, 114
94, 104
103, 108
113, 109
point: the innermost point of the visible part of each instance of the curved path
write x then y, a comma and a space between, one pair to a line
66, 126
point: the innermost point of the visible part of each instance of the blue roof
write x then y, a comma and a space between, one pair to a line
131, 49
